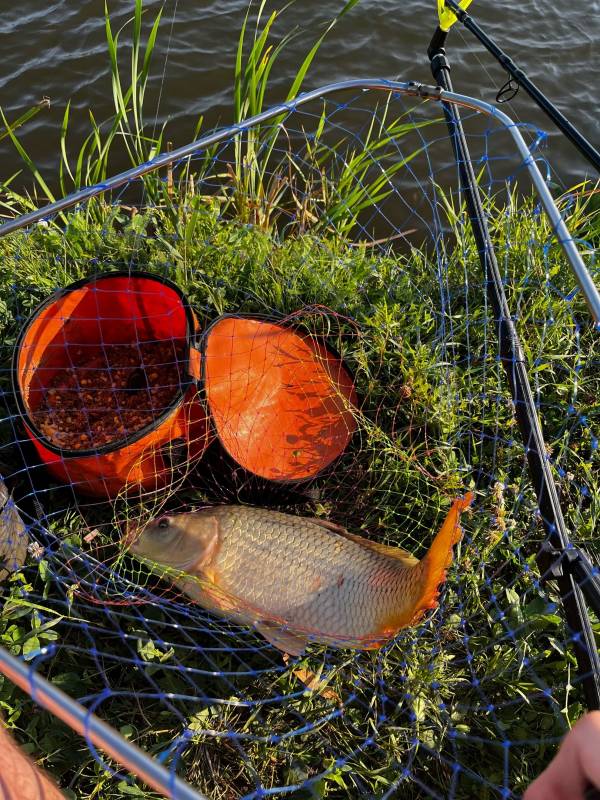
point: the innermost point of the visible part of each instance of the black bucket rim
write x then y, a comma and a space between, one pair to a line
126, 441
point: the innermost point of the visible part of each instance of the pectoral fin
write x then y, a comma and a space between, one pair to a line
314, 684
282, 639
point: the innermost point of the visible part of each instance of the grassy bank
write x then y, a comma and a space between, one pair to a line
470, 703
425, 434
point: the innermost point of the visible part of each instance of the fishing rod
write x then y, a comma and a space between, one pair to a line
576, 576
551, 561
451, 10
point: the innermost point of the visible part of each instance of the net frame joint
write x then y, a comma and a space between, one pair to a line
425, 90
575, 562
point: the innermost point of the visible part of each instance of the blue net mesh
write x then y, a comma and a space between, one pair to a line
345, 215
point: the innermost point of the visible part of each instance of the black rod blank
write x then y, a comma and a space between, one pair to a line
562, 123
513, 360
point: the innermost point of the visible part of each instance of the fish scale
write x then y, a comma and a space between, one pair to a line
328, 586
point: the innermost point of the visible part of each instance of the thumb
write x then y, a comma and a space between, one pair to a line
575, 767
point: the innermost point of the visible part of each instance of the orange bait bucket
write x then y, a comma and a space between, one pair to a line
281, 402
105, 378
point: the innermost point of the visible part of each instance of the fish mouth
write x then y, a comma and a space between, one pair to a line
131, 532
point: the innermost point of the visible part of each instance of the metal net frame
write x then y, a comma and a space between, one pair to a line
389, 274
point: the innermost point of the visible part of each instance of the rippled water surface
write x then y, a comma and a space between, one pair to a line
58, 49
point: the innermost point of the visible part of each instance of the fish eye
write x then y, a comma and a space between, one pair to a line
163, 522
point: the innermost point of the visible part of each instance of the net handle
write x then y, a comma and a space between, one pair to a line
94, 730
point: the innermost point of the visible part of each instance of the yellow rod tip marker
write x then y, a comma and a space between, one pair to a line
447, 16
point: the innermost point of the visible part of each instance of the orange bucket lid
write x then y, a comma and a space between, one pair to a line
281, 402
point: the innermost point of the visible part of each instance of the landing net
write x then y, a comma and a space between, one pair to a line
341, 216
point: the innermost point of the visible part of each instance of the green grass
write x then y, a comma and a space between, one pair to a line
435, 419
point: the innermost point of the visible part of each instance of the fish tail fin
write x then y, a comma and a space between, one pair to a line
439, 557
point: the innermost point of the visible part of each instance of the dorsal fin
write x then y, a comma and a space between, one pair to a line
406, 558
331, 526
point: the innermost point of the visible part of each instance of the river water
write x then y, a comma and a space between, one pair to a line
57, 48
